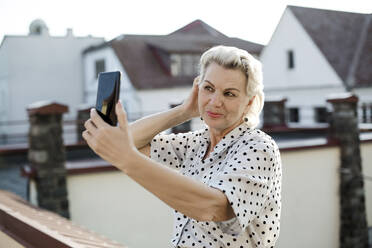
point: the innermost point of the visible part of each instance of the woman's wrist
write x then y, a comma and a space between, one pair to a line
128, 163
186, 113
183, 114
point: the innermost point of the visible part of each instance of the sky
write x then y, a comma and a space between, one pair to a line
250, 20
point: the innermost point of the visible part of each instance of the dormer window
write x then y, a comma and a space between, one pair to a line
184, 64
290, 59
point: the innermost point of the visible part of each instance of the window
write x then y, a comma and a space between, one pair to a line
99, 67
321, 114
290, 58
38, 30
175, 64
294, 115
184, 64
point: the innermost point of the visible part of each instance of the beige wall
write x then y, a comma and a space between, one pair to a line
112, 204
366, 153
310, 199
6, 241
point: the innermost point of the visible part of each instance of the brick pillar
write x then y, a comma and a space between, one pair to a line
344, 129
82, 116
274, 113
47, 155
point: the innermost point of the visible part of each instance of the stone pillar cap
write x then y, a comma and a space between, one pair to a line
342, 97
46, 107
276, 99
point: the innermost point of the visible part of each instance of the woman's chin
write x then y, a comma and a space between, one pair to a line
215, 123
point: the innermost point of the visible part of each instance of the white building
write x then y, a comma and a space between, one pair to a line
157, 71
38, 67
314, 53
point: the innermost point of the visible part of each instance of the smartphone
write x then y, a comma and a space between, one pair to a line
108, 95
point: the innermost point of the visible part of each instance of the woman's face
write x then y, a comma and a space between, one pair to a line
223, 101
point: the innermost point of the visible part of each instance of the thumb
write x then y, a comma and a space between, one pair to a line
121, 114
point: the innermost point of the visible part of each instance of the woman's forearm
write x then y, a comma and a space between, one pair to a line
144, 129
186, 195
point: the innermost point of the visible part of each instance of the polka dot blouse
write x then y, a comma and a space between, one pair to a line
245, 165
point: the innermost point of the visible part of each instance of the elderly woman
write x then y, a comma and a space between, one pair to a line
224, 181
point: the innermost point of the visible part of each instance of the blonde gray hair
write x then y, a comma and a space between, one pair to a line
235, 58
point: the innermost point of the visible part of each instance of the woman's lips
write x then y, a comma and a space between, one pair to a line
213, 115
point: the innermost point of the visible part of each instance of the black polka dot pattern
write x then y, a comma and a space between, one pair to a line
245, 165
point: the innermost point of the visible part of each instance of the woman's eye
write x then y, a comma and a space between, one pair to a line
209, 88
229, 94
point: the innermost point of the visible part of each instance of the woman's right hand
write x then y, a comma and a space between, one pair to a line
190, 105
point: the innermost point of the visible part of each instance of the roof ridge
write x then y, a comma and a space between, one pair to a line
332, 10
334, 56
349, 82
210, 30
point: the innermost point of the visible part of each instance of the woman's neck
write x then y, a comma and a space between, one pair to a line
216, 135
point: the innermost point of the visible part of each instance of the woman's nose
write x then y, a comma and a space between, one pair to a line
216, 100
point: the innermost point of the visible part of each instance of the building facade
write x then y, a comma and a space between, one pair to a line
157, 71
314, 53
39, 67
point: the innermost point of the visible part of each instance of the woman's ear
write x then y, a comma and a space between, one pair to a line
248, 105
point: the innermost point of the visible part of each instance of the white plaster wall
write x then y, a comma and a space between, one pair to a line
154, 100
310, 199
311, 67
112, 204
310, 81
44, 68
128, 94
366, 154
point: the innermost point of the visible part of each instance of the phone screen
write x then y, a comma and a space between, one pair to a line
108, 95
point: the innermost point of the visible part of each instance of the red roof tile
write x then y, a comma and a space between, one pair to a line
146, 58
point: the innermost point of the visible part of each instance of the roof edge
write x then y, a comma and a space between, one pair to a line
350, 79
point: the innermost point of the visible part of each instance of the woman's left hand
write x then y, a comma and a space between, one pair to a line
113, 144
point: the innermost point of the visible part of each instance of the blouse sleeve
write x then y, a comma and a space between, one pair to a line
247, 178
170, 149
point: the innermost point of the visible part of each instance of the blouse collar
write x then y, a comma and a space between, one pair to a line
228, 139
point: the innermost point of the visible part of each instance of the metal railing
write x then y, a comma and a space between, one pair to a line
16, 131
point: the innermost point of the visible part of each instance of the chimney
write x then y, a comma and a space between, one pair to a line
47, 155
344, 129
69, 32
